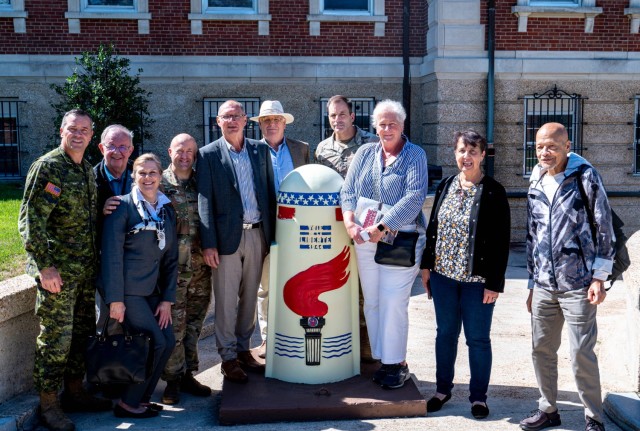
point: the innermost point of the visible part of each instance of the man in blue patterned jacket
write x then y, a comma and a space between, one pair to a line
569, 259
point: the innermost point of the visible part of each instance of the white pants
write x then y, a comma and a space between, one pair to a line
386, 291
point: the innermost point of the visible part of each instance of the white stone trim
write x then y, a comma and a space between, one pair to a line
455, 29
75, 13
262, 17
19, 15
587, 10
377, 17
633, 12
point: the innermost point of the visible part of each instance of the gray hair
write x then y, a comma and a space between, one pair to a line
391, 106
116, 127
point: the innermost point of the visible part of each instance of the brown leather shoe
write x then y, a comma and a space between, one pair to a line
231, 371
247, 360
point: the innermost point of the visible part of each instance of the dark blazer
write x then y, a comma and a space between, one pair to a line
133, 264
489, 232
299, 152
104, 192
219, 202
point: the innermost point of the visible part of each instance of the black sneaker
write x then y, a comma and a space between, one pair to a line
397, 375
381, 373
594, 425
538, 420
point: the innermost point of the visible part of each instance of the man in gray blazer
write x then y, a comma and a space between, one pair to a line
237, 205
286, 155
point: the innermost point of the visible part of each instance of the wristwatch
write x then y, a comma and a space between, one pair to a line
381, 227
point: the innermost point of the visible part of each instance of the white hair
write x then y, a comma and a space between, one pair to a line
386, 106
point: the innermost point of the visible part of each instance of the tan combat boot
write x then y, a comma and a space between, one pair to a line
76, 399
52, 415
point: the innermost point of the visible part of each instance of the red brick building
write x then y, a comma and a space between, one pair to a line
575, 61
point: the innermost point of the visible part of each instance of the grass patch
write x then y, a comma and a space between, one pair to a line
12, 255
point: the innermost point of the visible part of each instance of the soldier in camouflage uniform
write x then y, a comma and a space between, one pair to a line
57, 225
194, 276
337, 152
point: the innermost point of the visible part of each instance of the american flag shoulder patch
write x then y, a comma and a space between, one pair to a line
53, 189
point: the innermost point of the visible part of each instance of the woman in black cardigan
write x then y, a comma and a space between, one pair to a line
463, 264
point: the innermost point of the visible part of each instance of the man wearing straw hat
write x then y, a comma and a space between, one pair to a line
286, 155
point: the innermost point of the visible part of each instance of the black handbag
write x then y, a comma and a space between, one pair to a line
401, 253
118, 358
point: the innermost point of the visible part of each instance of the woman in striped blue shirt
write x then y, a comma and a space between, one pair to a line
393, 172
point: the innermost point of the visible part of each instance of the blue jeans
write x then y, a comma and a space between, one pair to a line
460, 304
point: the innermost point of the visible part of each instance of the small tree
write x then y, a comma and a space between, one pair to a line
103, 86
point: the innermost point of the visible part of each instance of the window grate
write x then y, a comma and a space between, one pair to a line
636, 136
212, 131
9, 139
551, 106
362, 107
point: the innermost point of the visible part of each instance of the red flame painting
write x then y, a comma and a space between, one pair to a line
301, 291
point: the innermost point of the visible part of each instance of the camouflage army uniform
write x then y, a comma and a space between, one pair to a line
338, 156
193, 292
57, 225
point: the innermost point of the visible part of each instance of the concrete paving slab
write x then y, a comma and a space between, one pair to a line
263, 400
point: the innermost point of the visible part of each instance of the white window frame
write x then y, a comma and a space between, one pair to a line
586, 9
15, 10
251, 106
362, 114
201, 12
376, 15
633, 12
9, 108
79, 9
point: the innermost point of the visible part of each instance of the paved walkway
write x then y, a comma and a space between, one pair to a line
512, 393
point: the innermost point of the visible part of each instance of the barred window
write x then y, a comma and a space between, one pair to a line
551, 106
362, 107
636, 137
9, 139
212, 131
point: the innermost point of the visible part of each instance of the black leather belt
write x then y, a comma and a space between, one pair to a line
248, 226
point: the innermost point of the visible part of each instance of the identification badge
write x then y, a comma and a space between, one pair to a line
161, 239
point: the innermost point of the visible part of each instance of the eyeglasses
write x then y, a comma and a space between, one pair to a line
121, 148
231, 117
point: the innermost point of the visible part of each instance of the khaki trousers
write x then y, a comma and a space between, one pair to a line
549, 311
235, 289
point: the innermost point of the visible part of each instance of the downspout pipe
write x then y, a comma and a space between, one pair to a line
406, 83
491, 51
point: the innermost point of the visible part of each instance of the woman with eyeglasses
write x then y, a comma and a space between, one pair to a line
391, 174
463, 267
139, 275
